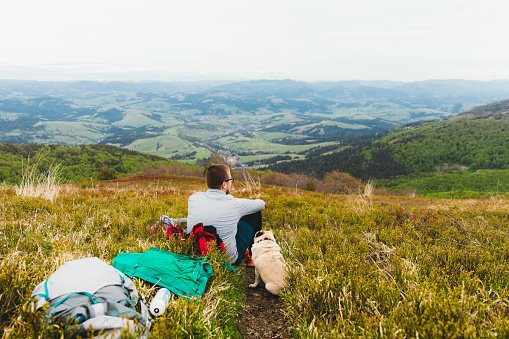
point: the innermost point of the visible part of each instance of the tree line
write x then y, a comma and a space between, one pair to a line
78, 163
472, 142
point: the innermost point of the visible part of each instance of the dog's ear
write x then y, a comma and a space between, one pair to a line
259, 233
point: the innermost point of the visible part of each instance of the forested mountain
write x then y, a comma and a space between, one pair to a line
75, 163
497, 110
474, 140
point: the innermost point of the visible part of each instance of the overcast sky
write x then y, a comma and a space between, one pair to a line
310, 40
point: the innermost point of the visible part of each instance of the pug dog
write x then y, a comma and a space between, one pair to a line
268, 262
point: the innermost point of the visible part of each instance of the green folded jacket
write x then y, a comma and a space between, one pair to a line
183, 275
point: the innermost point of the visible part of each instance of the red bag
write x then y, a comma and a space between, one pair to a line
175, 231
205, 236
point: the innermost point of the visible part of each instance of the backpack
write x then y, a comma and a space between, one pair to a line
174, 231
171, 228
88, 295
204, 235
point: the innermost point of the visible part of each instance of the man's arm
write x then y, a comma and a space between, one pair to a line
249, 206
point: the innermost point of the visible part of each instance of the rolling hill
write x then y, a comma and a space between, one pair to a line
472, 141
246, 120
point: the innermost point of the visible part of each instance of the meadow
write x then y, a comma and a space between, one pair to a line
360, 265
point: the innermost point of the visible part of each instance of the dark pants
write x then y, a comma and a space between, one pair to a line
247, 227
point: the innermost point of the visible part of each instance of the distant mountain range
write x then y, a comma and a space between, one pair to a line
459, 91
245, 120
446, 91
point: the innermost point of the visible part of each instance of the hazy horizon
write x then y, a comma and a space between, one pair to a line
323, 40
219, 80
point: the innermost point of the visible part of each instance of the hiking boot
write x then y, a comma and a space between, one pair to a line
165, 221
249, 259
154, 228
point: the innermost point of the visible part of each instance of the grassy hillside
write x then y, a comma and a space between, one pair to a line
472, 141
75, 163
478, 141
359, 265
458, 185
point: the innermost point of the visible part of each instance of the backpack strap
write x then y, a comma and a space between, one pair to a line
91, 296
45, 295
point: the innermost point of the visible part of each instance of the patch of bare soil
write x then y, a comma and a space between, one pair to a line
262, 313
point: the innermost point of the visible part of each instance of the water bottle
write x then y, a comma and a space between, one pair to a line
160, 301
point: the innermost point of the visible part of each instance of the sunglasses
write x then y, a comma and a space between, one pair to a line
232, 179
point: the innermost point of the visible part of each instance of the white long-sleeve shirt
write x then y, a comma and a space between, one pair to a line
216, 208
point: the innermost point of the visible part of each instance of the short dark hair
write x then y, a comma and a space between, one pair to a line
216, 174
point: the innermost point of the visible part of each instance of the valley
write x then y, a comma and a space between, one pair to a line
249, 121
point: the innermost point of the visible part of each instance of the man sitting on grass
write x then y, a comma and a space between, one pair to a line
234, 220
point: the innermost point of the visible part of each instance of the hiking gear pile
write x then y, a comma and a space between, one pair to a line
88, 297
92, 296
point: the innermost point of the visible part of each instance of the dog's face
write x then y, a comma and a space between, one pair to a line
264, 236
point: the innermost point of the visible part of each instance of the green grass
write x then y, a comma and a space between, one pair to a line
200, 130
110, 100
318, 125
359, 265
459, 185
395, 267
170, 144
391, 111
136, 118
255, 157
10, 116
154, 105
261, 142
73, 132
160, 145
